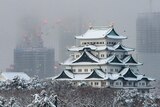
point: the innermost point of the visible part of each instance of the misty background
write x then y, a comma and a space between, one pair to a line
54, 17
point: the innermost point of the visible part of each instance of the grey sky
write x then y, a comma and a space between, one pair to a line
122, 13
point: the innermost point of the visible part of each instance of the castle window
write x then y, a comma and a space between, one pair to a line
91, 83
79, 70
117, 83
85, 70
143, 84
130, 83
74, 70
116, 70
102, 55
96, 83
77, 56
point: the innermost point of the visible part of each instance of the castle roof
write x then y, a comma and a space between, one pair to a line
101, 32
129, 60
125, 74
82, 48
119, 47
86, 58
97, 73
114, 60
66, 74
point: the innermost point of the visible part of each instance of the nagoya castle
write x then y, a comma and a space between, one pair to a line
101, 60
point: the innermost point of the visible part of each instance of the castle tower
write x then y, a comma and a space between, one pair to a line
101, 60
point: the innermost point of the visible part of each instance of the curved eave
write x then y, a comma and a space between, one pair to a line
116, 37
117, 50
149, 79
63, 76
132, 87
71, 64
133, 64
81, 48
94, 79
115, 63
78, 50
88, 38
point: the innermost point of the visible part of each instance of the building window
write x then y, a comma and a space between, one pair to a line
79, 70
91, 83
85, 70
130, 83
77, 56
117, 83
74, 70
116, 70
96, 83
111, 69
102, 55
143, 84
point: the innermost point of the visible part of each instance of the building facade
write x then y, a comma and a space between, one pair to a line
34, 61
148, 42
148, 31
101, 60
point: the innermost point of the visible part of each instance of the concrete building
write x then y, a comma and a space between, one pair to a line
148, 42
31, 57
34, 61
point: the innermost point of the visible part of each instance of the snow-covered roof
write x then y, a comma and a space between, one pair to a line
10, 75
98, 74
129, 60
81, 48
100, 32
119, 47
91, 47
86, 58
114, 60
66, 74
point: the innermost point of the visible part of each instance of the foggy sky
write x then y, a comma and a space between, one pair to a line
122, 13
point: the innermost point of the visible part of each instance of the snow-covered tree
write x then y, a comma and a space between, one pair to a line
44, 100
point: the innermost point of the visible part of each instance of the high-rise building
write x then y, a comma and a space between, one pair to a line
148, 42
31, 57
34, 61
148, 33
101, 60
